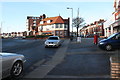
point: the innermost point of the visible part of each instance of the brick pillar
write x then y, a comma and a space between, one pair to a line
115, 66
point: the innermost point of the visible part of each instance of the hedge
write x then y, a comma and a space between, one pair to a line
38, 36
30, 36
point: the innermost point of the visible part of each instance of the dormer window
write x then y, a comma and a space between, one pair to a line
44, 21
41, 22
48, 21
51, 20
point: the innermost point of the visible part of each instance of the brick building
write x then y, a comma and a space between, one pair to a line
116, 24
90, 29
56, 26
112, 25
48, 25
32, 24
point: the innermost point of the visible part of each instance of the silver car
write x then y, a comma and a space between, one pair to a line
53, 41
12, 64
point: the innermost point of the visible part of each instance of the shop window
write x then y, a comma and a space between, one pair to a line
61, 32
65, 33
57, 33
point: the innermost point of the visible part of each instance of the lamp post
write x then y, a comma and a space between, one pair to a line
72, 18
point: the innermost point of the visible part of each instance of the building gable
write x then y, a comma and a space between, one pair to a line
59, 20
52, 20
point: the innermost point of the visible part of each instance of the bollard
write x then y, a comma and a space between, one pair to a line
79, 39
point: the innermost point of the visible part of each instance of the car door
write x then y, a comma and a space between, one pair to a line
115, 41
0, 66
6, 65
118, 41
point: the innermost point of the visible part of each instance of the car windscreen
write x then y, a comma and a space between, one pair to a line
111, 36
53, 38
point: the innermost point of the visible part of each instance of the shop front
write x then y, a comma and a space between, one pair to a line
116, 26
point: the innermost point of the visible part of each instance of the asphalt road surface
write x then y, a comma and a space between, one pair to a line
80, 60
33, 50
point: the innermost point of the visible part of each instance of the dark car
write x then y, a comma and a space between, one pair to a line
112, 42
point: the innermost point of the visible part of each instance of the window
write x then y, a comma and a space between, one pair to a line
41, 22
100, 24
48, 21
34, 21
61, 26
52, 26
41, 28
65, 25
44, 21
61, 32
33, 18
34, 24
57, 33
51, 20
57, 26
65, 33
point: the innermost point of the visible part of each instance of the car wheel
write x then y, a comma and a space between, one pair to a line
17, 69
108, 47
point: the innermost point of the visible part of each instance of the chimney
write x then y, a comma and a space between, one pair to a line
44, 16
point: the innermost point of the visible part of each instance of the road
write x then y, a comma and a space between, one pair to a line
71, 60
33, 50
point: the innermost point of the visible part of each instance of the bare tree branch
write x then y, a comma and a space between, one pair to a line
78, 22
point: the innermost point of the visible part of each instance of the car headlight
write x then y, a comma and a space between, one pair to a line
57, 42
101, 43
46, 42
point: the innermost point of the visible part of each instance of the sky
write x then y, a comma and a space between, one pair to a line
13, 14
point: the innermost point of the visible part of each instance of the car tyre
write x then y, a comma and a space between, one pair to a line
17, 69
108, 47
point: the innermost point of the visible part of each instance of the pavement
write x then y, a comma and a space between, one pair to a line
67, 61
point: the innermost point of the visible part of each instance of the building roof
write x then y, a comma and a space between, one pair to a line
53, 20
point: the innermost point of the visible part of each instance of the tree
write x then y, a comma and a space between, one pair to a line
78, 22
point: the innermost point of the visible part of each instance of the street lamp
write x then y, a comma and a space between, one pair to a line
72, 18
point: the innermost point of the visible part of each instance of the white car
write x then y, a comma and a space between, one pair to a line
53, 41
11, 64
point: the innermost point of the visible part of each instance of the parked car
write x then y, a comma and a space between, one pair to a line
53, 41
111, 43
12, 64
